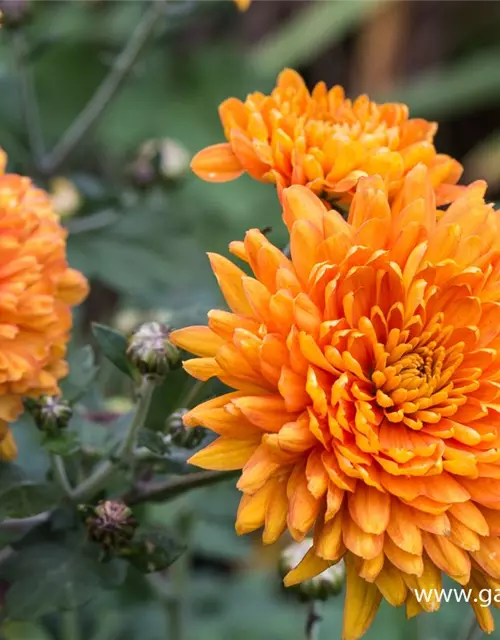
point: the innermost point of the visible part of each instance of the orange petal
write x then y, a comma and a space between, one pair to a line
362, 601
309, 567
199, 340
225, 454
229, 277
217, 163
369, 508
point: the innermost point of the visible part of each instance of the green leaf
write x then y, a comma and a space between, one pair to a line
153, 441
153, 550
47, 577
27, 499
63, 443
114, 346
16, 630
455, 89
312, 29
82, 372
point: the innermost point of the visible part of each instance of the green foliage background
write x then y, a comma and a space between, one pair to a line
143, 248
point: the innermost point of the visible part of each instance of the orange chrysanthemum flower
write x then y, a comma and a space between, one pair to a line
366, 371
242, 4
323, 141
37, 290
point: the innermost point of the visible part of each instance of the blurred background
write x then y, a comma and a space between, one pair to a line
104, 103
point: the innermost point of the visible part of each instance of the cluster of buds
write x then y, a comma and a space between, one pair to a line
159, 159
326, 584
179, 435
51, 413
110, 524
150, 350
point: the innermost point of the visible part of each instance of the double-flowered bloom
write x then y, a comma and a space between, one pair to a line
366, 376
37, 290
324, 141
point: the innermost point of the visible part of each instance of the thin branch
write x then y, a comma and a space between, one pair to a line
313, 621
29, 102
161, 491
60, 474
106, 90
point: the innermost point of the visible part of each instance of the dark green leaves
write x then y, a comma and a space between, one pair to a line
153, 550
153, 441
113, 344
63, 443
83, 371
47, 577
21, 497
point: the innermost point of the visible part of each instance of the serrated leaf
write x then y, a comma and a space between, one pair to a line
64, 443
82, 372
153, 551
27, 499
47, 577
113, 344
153, 441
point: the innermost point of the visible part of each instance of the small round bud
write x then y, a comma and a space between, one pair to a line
111, 524
326, 584
65, 197
173, 159
187, 438
151, 351
51, 413
14, 13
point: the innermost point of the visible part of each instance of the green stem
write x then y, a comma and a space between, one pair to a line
60, 474
29, 102
102, 473
70, 624
106, 90
313, 621
179, 572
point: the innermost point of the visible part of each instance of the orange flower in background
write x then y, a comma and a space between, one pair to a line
242, 4
37, 290
324, 141
366, 408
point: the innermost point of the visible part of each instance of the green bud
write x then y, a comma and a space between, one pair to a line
111, 524
51, 413
150, 350
187, 438
328, 583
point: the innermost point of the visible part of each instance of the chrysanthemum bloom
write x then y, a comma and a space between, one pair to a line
37, 290
242, 4
323, 141
366, 407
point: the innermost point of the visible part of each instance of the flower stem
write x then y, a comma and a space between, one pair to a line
29, 102
106, 90
70, 624
313, 621
179, 573
60, 474
106, 469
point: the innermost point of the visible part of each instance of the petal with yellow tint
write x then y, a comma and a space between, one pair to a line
448, 557
403, 531
370, 509
391, 585
217, 163
362, 544
309, 567
362, 601
225, 454
199, 340
229, 277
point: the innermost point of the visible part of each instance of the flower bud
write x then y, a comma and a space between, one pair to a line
187, 438
51, 413
14, 13
151, 351
65, 197
173, 159
326, 584
111, 524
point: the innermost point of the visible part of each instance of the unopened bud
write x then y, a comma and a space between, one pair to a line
111, 524
66, 198
14, 13
173, 160
151, 351
51, 413
326, 584
187, 438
